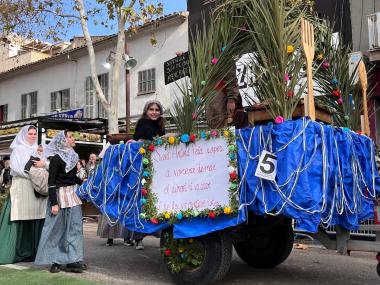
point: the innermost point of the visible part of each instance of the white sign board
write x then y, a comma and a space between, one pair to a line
267, 166
193, 176
246, 78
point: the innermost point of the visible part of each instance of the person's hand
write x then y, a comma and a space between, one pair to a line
39, 163
54, 210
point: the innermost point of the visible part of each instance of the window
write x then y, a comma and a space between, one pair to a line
28, 105
147, 81
60, 100
91, 101
3, 113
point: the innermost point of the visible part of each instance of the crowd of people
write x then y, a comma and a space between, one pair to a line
41, 220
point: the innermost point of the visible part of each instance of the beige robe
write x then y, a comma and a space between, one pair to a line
24, 204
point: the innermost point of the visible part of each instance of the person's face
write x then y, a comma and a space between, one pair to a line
31, 137
92, 158
70, 139
79, 166
153, 112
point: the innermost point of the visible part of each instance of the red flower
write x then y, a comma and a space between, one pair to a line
290, 93
167, 252
359, 132
211, 215
233, 175
151, 147
144, 192
193, 137
336, 93
154, 221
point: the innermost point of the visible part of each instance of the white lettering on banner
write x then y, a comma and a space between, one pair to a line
191, 177
267, 166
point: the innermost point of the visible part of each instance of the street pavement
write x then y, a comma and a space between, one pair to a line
120, 264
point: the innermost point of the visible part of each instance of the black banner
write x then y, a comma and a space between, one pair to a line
176, 68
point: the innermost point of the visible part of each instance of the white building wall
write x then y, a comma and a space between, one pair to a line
170, 39
72, 74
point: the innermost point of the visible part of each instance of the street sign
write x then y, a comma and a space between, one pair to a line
176, 68
73, 114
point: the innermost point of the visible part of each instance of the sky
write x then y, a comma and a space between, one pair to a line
170, 6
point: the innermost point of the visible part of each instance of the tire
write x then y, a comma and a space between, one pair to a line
267, 250
216, 263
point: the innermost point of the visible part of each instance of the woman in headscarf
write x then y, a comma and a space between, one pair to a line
62, 235
23, 215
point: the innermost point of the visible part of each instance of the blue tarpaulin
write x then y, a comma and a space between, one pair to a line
324, 176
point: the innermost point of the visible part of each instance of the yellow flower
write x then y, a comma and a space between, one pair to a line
226, 134
227, 210
142, 150
289, 49
320, 56
167, 215
171, 140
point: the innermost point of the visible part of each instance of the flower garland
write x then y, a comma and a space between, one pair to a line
181, 254
148, 198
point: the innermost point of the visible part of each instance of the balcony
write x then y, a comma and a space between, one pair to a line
374, 36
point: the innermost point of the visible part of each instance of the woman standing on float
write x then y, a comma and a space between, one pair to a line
150, 125
62, 235
23, 215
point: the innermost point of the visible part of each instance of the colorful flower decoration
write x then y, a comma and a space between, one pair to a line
320, 56
193, 137
151, 147
143, 201
142, 215
171, 140
223, 48
286, 77
142, 150
195, 213
158, 141
194, 116
231, 147
203, 83
179, 53
214, 133
334, 81
144, 192
290, 94
203, 135
179, 216
167, 252
279, 120
167, 215
346, 117
146, 173
232, 156
233, 175
227, 210
226, 133
214, 61
154, 221
336, 93
340, 101
198, 100
185, 138
325, 64
289, 49
211, 215
346, 129
145, 161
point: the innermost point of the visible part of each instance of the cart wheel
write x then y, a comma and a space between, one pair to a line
378, 269
216, 261
268, 249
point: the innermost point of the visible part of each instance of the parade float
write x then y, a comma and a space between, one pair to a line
208, 190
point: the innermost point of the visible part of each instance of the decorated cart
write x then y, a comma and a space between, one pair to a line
207, 190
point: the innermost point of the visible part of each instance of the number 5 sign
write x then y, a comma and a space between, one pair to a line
267, 166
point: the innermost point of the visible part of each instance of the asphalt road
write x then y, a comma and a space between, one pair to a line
120, 264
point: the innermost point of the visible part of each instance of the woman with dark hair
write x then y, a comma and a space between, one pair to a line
23, 215
239, 117
62, 235
150, 125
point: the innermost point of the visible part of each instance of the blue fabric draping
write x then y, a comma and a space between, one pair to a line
324, 176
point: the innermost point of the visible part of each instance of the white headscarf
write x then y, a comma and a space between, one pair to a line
59, 145
22, 150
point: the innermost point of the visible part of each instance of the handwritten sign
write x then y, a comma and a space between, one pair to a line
191, 177
176, 68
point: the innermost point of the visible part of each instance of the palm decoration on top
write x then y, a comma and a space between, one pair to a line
334, 81
276, 58
211, 58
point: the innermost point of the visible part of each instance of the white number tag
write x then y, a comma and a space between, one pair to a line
267, 166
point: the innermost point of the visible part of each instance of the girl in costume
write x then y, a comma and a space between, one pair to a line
150, 125
23, 215
62, 235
